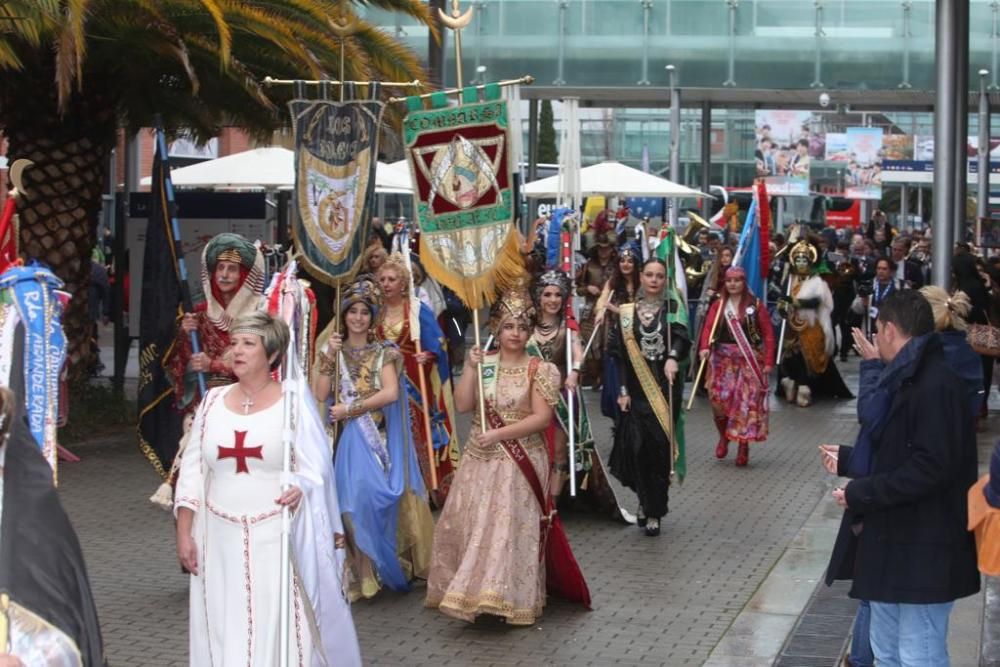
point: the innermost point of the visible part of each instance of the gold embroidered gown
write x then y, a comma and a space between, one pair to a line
374, 473
486, 543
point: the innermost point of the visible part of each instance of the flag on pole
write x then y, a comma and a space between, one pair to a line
749, 253
160, 423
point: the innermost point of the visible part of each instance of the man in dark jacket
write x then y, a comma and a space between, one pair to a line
903, 539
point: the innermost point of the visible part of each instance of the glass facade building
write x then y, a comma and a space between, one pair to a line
874, 58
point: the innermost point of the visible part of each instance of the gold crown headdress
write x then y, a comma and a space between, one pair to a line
804, 248
514, 303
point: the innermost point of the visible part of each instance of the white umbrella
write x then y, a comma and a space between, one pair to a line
614, 179
271, 168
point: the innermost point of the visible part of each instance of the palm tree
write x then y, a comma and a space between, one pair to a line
73, 71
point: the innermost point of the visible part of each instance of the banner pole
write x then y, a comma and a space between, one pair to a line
455, 22
403, 239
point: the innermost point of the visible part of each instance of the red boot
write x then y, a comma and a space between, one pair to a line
743, 454
721, 449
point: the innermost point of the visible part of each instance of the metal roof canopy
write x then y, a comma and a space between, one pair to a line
761, 98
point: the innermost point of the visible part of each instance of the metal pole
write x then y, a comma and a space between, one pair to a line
647, 6
818, 54
675, 137
920, 205
907, 9
561, 50
731, 79
994, 35
904, 206
945, 55
983, 190
706, 156
960, 98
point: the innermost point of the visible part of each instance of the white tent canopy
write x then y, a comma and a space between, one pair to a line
271, 168
614, 179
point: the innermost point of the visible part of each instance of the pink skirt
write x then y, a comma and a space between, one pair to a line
735, 391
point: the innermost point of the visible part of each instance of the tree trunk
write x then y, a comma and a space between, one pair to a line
62, 200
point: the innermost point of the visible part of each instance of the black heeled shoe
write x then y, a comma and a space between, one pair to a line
652, 527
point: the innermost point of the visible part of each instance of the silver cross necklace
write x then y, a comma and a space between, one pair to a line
248, 401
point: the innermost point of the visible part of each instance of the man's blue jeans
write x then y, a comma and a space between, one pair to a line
910, 635
861, 647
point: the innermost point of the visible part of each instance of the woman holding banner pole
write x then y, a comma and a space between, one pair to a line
649, 344
381, 493
427, 357
741, 356
490, 556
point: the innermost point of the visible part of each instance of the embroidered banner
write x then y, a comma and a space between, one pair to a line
336, 152
34, 291
464, 199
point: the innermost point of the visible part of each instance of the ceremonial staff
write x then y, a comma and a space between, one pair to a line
4, 623
701, 366
566, 251
8, 230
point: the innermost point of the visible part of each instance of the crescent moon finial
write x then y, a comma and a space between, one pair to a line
16, 170
457, 20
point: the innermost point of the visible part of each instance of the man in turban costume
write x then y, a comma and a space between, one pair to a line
806, 366
232, 277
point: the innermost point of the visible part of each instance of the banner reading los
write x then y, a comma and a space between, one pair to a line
460, 167
336, 151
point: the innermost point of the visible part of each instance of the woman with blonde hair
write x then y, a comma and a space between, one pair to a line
431, 361
950, 322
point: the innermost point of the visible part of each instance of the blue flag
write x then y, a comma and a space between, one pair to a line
748, 252
553, 238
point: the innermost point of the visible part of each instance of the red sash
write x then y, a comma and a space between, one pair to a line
563, 577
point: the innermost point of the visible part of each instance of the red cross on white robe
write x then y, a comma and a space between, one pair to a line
240, 452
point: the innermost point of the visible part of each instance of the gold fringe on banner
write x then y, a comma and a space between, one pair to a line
505, 271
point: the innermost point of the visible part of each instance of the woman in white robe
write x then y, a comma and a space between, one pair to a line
228, 506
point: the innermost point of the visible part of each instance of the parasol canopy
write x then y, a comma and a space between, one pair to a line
614, 179
270, 168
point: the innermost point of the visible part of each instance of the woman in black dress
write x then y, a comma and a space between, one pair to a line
649, 345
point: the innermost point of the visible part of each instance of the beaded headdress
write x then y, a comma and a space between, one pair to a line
630, 249
247, 329
552, 278
736, 272
515, 303
364, 290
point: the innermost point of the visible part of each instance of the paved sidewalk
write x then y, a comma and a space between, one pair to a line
662, 601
